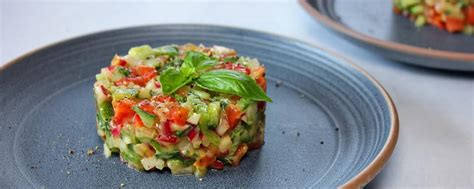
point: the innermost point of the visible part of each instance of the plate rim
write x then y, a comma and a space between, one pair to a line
390, 45
359, 180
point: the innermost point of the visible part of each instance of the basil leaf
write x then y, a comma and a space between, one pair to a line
227, 81
172, 79
199, 61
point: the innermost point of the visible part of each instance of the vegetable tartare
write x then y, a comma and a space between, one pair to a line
189, 108
449, 15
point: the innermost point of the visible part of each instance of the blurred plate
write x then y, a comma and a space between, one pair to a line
373, 25
330, 124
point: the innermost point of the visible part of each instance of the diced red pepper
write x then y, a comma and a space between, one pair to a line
262, 82
233, 115
178, 114
166, 129
169, 139
122, 62
147, 72
123, 111
104, 90
204, 161
454, 24
137, 80
217, 165
137, 121
147, 107
140, 76
158, 85
111, 68
116, 130
192, 133
235, 67
469, 12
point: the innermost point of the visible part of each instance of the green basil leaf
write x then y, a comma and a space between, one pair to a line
172, 79
199, 61
227, 81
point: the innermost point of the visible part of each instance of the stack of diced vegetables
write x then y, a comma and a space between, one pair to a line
449, 15
189, 108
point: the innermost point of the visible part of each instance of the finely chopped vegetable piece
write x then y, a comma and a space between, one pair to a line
187, 108
450, 15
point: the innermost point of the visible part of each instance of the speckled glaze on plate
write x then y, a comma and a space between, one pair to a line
330, 124
373, 25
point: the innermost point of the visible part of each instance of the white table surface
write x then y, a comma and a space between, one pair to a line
436, 108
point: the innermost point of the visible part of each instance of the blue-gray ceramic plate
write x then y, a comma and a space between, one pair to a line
330, 124
373, 25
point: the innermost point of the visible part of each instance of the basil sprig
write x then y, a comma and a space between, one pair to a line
194, 63
233, 82
195, 67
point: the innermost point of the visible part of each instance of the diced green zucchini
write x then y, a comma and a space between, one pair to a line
133, 158
420, 21
152, 162
141, 149
119, 73
128, 137
163, 152
211, 136
240, 134
243, 103
141, 52
200, 172
201, 94
144, 93
107, 151
102, 124
250, 113
409, 3
147, 119
194, 118
417, 9
225, 144
145, 134
214, 108
468, 30
112, 142
166, 50
121, 93
204, 121
178, 166
106, 111
100, 77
